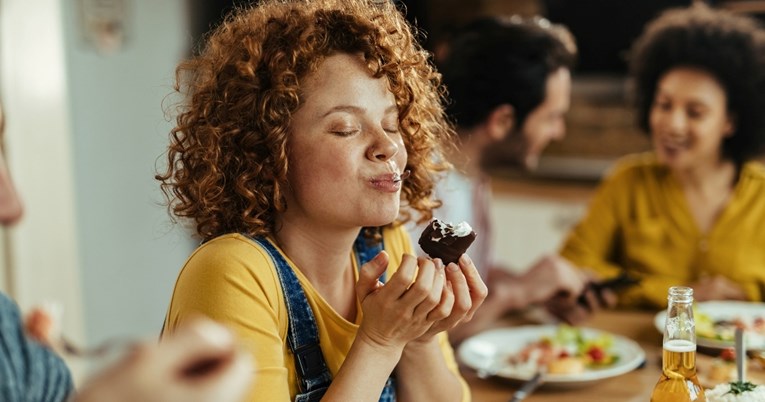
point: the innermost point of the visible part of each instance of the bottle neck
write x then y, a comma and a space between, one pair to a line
680, 325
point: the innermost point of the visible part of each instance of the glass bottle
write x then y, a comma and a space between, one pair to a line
678, 382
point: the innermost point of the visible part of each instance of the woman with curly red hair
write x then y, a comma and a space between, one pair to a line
305, 126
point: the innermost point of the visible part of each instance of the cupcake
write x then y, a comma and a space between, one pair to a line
446, 241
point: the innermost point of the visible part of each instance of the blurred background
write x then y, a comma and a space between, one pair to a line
85, 85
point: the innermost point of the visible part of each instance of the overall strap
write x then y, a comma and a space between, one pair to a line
302, 332
367, 248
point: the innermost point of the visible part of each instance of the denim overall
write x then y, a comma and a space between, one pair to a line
302, 332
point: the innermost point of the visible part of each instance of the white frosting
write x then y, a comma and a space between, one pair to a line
461, 229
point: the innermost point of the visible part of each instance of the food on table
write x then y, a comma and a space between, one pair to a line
723, 368
736, 392
566, 365
725, 329
446, 241
565, 352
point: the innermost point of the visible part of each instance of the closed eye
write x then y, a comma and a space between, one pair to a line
344, 133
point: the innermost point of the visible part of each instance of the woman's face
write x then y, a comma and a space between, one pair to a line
345, 150
689, 119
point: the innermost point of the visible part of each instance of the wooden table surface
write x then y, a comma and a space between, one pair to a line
631, 387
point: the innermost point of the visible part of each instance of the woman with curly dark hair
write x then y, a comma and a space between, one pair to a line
306, 124
691, 211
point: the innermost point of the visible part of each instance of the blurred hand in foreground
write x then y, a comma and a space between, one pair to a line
198, 363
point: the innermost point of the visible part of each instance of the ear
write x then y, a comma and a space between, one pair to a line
730, 125
501, 121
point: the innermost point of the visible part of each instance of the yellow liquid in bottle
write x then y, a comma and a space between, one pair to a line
678, 382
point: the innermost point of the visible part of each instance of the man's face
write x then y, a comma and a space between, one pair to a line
547, 122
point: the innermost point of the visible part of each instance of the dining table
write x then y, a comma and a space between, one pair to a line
633, 386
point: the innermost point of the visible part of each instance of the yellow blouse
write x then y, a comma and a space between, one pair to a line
639, 221
232, 280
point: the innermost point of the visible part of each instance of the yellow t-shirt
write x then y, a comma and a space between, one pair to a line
231, 279
639, 220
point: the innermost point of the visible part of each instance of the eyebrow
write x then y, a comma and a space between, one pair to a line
356, 109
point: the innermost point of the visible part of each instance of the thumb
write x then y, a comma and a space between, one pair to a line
369, 275
205, 358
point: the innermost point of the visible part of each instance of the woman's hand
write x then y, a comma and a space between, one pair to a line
574, 308
464, 293
198, 363
404, 308
717, 288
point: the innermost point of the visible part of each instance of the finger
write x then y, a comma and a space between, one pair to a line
592, 300
369, 275
197, 347
399, 282
608, 298
443, 312
435, 294
564, 309
477, 288
420, 291
231, 382
462, 300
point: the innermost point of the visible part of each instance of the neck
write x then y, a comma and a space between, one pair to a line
708, 178
322, 254
473, 142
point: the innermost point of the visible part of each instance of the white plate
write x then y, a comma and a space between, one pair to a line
724, 310
481, 351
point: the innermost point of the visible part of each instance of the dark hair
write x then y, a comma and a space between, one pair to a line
227, 158
503, 60
730, 47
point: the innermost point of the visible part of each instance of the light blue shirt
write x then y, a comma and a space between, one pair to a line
29, 372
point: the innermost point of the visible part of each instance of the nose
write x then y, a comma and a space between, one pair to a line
383, 147
676, 121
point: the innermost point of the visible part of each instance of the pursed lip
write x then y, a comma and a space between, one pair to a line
388, 182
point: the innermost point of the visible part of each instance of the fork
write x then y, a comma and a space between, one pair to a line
529, 386
107, 347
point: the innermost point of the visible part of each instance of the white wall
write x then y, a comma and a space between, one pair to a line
129, 253
527, 227
41, 251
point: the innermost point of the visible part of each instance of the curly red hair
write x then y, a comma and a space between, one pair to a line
227, 158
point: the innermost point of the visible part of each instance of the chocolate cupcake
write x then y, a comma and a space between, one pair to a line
446, 241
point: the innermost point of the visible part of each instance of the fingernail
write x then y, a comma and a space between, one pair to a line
378, 258
453, 267
213, 333
439, 263
465, 259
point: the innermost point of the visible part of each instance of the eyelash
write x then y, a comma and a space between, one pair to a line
349, 133
345, 133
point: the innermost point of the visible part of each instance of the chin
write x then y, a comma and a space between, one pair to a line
531, 162
381, 218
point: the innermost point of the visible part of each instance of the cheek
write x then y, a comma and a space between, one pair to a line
402, 156
539, 135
